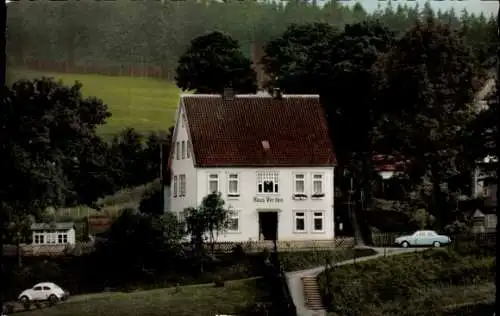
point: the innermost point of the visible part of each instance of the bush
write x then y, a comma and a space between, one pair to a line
8, 309
391, 282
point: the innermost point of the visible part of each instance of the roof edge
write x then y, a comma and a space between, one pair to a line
264, 96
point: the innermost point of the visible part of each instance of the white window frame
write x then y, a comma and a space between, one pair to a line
188, 149
182, 185
213, 177
183, 149
174, 188
233, 176
177, 151
40, 240
296, 216
297, 178
490, 220
265, 176
314, 216
63, 236
314, 179
235, 214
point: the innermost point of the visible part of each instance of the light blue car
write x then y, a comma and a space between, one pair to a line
422, 238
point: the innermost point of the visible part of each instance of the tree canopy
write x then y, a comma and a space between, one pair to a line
213, 62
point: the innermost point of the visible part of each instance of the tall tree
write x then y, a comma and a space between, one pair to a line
314, 58
45, 130
212, 62
429, 100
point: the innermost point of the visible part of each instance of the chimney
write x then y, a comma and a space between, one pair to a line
266, 147
228, 94
277, 94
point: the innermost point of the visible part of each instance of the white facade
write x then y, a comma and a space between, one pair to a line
250, 193
54, 237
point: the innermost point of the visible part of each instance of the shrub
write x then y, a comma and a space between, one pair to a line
219, 282
27, 306
9, 309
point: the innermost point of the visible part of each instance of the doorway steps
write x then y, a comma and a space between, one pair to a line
312, 296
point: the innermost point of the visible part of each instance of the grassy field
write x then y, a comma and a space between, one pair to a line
145, 104
181, 301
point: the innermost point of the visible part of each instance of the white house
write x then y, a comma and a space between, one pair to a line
53, 233
271, 158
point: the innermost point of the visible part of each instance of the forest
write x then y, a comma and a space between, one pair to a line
158, 32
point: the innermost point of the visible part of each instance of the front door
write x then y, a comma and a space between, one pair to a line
268, 225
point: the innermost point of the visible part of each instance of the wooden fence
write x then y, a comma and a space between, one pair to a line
220, 247
132, 70
284, 245
49, 250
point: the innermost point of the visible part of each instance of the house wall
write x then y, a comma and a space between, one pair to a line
181, 167
248, 208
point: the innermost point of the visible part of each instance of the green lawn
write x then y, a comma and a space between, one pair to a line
187, 300
145, 104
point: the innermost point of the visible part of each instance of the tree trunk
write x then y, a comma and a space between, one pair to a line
2, 272
439, 207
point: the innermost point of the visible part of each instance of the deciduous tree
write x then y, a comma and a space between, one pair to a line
429, 101
213, 62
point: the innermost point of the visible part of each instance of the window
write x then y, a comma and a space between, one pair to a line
39, 238
486, 191
175, 186
177, 151
491, 220
300, 185
183, 150
188, 150
318, 186
299, 219
267, 182
62, 238
37, 288
318, 222
46, 288
213, 183
234, 222
233, 189
182, 185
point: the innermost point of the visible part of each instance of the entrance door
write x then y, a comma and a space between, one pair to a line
268, 225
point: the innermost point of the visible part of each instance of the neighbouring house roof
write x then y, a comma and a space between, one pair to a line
383, 163
258, 130
53, 226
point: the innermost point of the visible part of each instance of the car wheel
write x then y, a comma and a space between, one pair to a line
24, 299
53, 299
436, 244
405, 244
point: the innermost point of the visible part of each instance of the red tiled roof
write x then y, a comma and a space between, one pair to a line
231, 133
388, 163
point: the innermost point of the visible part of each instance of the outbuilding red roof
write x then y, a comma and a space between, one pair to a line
258, 130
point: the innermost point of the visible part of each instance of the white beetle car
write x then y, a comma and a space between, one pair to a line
46, 291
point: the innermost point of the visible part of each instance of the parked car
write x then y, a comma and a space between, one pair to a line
45, 291
422, 238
